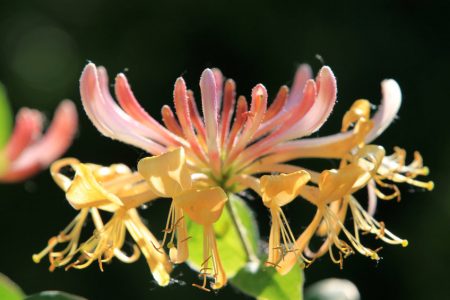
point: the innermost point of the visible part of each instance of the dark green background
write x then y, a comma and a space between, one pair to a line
45, 44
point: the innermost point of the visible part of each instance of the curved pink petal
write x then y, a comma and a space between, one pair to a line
170, 121
131, 106
210, 107
295, 100
279, 134
28, 128
110, 103
322, 107
275, 114
229, 100
278, 104
109, 119
196, 118
52, 145
258, 108
218, 80
180, 100
388, 109
239, 119
303, 74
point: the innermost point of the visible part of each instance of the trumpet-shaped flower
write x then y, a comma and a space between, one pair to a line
28, 151
114, 189
277, 191
199, 157
168, 176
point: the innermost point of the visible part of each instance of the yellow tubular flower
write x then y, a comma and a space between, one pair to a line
168, 176
277, 191
204, 206
333, 185
114, 189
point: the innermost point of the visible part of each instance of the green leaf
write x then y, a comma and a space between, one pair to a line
9, 290
332, 289
267, 283
6, 118
53, 295
231, 249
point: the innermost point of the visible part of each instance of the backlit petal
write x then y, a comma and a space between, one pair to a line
387, 111
203, 206
281, 189
166, 174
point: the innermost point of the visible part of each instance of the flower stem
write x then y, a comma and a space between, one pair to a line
240, 228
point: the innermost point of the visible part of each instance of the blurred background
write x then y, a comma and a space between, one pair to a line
45, 44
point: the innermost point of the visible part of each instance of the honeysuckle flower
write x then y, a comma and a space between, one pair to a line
277, 191
214, 148
168, 176
204, 206
361, 166
28, 151
213, 145
114, 189
199, 157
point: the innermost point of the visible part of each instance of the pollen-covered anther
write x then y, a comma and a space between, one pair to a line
381, 231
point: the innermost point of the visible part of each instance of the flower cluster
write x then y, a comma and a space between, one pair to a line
198, 159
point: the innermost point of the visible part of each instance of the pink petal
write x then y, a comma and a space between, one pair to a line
109, 119
210, 115
110, 103
332, 146
51, 146
131, 106
303, 74
27, 129
180, 100
229, 100
388, 109
170, 122
239, 120
275, 115
322, 107
277, 104
195, 117
256, 115
295, 99
218, 80
279, 135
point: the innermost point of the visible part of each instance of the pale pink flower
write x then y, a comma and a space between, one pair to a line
29, 151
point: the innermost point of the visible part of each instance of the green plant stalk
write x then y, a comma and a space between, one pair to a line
240, 228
